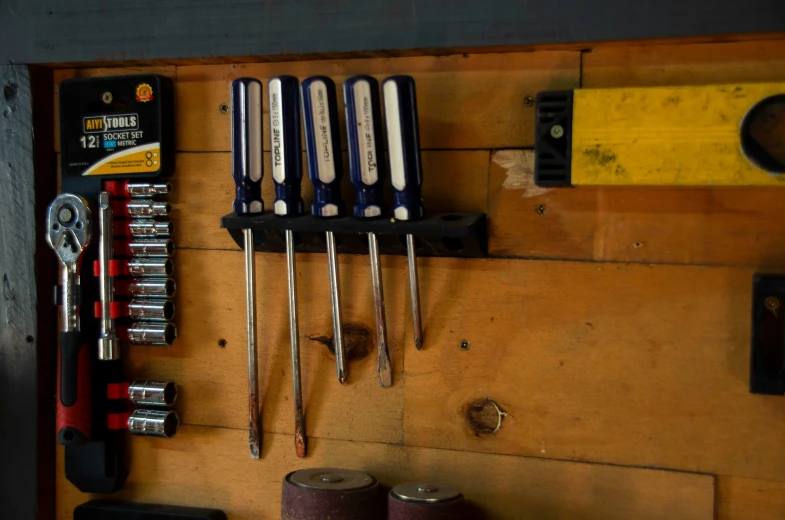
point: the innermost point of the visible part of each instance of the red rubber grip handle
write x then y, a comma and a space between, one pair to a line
74, 398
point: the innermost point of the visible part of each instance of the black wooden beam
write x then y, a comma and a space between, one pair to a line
71, 31
27, 345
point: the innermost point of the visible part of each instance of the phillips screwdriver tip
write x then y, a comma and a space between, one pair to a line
418, 342
342, 377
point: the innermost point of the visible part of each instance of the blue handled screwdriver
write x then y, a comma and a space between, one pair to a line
284, 97
363, 131
247, 174
403, 143
325, 169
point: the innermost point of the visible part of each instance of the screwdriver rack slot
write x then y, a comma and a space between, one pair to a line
458, 235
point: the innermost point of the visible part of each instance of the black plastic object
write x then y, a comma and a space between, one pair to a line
121, 126
553, 139
767, 362
461, 235
97, 466
115, 510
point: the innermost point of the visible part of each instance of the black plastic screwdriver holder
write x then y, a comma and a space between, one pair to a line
458, 235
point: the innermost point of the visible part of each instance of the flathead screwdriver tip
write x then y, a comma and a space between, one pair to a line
385, 371
299, 442
253, 445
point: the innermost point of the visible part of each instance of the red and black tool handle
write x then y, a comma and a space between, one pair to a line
74, 399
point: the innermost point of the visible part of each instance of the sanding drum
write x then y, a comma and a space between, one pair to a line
337, 494
426, 501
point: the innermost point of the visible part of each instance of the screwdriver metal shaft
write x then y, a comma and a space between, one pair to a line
286, 150
294, 332
383, 365
361, 103
254, 429
414, 291
335, 300
247, 174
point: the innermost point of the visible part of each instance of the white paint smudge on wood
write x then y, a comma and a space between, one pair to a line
519, 166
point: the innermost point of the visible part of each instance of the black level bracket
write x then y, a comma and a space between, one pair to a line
767, 361
461, 235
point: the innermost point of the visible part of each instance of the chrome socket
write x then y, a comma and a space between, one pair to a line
150, 267
151, 247
153, 423
151, 333
152, 393
158, 310
147, 208
146, 227
149, 288
144, 190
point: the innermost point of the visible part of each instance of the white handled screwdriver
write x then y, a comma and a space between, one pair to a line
325, 169
247, 173
403, 143
363, 132
284, 97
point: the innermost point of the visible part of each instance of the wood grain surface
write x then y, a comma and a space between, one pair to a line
750, 499
202, 467
704, 226
614, 337
627, 364
209, 359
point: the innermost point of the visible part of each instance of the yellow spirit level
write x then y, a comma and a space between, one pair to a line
722, 135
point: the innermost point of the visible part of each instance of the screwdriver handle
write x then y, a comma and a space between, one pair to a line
363, 133
403, 144
284, 97
323, 145
247, 145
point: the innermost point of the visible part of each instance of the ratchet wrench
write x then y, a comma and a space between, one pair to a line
69, 230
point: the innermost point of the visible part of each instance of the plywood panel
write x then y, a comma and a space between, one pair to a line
209, 360
203, 467
749, 499
464, 101
204, 191
684, 64
712, 225
625, 364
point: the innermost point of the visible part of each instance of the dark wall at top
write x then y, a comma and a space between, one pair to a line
52, 31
